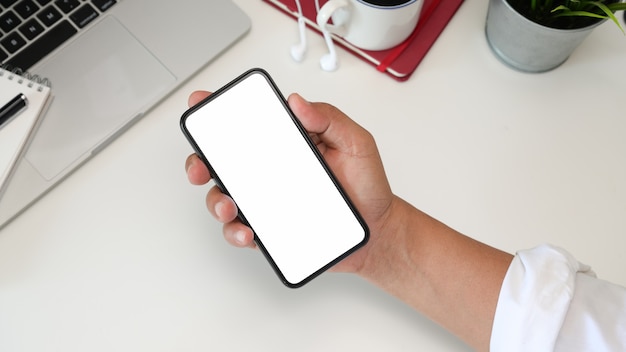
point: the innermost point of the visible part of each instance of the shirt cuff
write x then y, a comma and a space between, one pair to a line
534, 299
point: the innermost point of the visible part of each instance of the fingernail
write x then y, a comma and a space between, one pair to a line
190, 162
298, 96
240, 237
218, 209
304, 100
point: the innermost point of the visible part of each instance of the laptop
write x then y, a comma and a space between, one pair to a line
109, 62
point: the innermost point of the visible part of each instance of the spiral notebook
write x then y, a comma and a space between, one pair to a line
17, 131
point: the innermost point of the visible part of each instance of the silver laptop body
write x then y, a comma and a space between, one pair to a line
107, 76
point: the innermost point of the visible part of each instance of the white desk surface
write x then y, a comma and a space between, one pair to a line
123, 255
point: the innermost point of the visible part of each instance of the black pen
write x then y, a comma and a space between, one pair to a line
12, 108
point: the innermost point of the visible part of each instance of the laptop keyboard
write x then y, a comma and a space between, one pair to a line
31, 29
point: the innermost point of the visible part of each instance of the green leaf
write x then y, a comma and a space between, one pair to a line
565, 11
609, 14
579, 13
617, 6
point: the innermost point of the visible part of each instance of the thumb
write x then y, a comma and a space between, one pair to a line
333, 127
313, 120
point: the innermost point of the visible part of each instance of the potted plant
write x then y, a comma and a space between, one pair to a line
539, 35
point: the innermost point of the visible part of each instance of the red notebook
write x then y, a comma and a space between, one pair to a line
398, 62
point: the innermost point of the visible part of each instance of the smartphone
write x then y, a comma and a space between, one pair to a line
260, 155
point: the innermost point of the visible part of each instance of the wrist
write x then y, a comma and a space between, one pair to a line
389, 245
448, 277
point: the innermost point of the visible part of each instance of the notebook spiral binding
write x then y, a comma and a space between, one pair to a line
21, 76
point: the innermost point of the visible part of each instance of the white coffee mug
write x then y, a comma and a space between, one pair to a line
371, 24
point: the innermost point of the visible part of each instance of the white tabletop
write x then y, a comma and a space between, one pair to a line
123, 256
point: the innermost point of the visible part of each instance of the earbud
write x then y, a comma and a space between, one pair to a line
328, 62
298, 50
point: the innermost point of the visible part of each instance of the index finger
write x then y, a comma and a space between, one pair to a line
196, 97
197, 172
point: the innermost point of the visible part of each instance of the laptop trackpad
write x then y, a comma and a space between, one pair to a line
99, 82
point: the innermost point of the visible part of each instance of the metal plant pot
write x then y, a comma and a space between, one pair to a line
526, 45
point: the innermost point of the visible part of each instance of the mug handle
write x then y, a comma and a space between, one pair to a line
338, 8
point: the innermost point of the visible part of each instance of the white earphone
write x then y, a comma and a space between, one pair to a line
298, 50
328, 62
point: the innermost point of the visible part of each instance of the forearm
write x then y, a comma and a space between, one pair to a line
441, 273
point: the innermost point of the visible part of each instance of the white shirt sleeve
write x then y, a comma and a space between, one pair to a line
551, 302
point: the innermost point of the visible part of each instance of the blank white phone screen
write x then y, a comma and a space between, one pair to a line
279, 185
